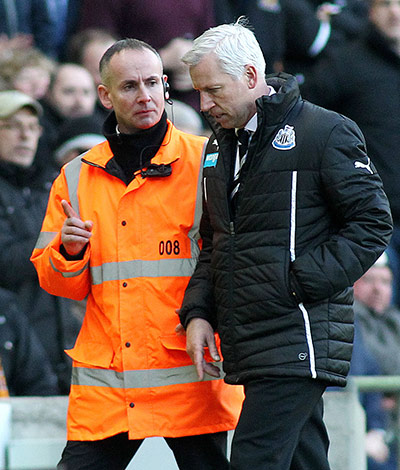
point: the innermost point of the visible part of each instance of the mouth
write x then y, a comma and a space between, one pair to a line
143, 112
23, 149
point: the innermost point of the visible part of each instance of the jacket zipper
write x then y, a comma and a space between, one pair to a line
306, 319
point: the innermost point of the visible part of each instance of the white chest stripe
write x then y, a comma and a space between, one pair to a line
292, 258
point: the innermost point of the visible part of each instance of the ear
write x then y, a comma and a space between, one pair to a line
104, 96
251, 76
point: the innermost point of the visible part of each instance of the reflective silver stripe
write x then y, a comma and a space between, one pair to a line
194, 234
293, 217
69, 274
44, 239
72, 171
310, 344
306, 319
139, 268
138, 378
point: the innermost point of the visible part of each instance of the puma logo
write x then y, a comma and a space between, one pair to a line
367, 166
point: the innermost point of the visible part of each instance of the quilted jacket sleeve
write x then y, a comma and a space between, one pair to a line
355, 194
57, 275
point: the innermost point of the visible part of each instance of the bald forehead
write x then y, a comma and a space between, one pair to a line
133, 62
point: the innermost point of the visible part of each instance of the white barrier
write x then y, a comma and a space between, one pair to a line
37, 435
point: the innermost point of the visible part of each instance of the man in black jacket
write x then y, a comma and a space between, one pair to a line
286, 229
362, 81
24, 191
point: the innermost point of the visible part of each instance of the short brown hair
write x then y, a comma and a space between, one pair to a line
123, 44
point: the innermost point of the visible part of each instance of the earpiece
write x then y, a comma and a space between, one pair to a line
166, 89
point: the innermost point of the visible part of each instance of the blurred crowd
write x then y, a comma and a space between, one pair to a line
345, 55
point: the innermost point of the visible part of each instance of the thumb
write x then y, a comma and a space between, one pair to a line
88, 225
212, 347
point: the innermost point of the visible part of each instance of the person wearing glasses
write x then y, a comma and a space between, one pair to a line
24, 190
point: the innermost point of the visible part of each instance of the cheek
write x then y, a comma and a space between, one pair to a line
5, 147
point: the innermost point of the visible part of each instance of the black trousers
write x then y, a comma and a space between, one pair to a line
281, 426
204, 452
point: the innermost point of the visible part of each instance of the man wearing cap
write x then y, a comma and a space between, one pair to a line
377, 318
24, 189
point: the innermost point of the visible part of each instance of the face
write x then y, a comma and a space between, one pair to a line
374, 288
229, 100
91, 56
33, 81
73, 93
134, 89
19, 135
385, 15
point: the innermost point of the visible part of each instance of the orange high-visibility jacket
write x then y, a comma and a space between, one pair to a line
130, 369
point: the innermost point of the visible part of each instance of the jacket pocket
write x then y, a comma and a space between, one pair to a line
92, 353
176, 343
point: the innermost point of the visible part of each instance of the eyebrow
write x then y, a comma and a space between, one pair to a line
151, 77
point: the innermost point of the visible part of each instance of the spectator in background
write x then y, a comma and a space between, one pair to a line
377, 446
266, 19
24, 190
185, 118
378, 326
168, 25
27, 70
29, 20
77, 136
86, 48
25, 363
293, 34
378, 319
65, 14
362, 81
71, 94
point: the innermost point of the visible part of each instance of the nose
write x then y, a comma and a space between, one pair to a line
143, 94
206, 103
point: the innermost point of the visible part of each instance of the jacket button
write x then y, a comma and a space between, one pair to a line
128, 344
132, 405
123, 223
124, 284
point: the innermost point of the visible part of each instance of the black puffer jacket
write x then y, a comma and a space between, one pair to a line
311, 218
362, 81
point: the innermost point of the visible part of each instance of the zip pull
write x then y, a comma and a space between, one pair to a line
232, 227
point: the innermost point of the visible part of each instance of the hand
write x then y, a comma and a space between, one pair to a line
179, 330
199, 334
171, 56
375, 445
75, 233
326, 10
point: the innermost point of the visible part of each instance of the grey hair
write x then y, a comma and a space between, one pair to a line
235, 46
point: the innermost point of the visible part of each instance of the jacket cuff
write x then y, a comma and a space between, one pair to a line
187, 315
69, 257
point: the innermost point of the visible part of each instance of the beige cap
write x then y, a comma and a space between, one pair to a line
12, 101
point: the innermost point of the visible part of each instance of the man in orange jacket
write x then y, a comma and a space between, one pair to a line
121, 229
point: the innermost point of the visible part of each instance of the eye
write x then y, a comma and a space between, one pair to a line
213, 91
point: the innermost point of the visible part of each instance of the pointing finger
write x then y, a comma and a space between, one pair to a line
68, 210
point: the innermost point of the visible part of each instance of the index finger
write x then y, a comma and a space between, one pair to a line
68, 210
